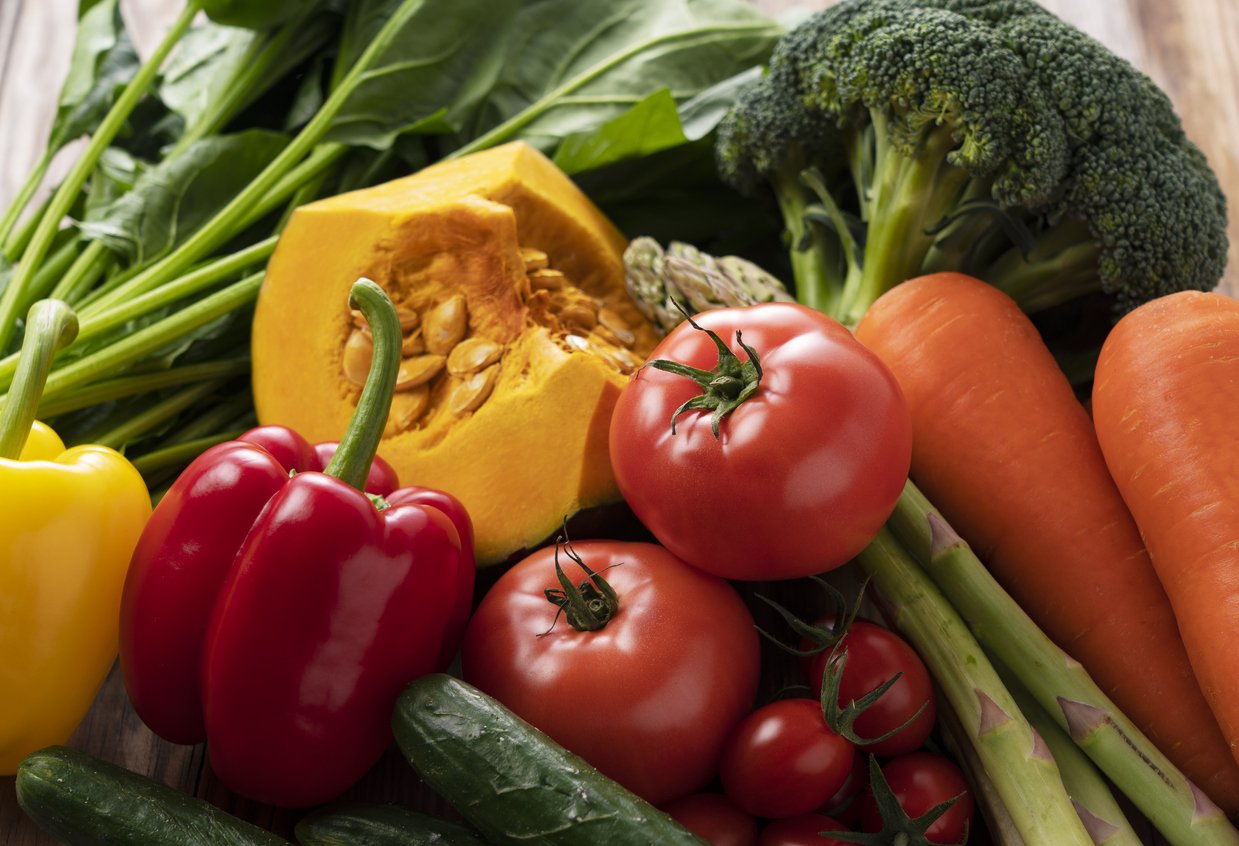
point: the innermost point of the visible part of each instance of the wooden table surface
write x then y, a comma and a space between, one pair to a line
1189, 47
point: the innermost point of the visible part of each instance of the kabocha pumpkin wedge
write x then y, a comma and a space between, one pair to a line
518, 335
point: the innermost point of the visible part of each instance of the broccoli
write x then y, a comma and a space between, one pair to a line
989, 137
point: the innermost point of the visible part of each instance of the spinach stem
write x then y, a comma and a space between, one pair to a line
151, 418
24, 195
127, 386
67, 192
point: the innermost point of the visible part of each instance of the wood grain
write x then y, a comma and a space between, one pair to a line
1189, 47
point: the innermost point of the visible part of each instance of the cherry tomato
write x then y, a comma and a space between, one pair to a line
875, 654
714, 818
920, 781
844, 806
802, 474
783, 760
804, 830
650, 697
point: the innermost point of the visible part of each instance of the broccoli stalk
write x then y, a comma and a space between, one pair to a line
903, 137
1061, 686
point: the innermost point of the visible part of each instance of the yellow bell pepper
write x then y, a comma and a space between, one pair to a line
69, 521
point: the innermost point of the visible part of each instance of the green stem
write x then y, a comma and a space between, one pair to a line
243, 206
178, 455
1022, 772
100, 320
352, 459
24, 194
50, 325
509, 128
43, 284
813, 258
151, 418
1179, 810
152, 338
87, 269
199, 244
66, 193
910, 194
127, 386
1098, 810
1061, 267
20, 237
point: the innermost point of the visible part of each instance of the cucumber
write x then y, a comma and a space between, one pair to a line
374, 824
513, 783
85, 801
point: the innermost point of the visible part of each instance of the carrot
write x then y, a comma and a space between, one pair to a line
1165, 400
1004, 449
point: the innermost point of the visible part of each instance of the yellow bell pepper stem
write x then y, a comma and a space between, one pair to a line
50, 326
69, 521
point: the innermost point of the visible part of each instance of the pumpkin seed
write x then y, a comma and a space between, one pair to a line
407, 407
576, 342
547, 279
418, 370
471, 355
534, 259
473, 391
358, 351
579, 314
617, 326
445, 325
408, 318
413, 343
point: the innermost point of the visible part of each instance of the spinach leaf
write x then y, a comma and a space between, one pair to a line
218, 71
174, 198
574, 64
102, 62
428, 75
654, 124
207, 61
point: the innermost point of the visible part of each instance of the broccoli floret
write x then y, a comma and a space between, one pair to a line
990, 137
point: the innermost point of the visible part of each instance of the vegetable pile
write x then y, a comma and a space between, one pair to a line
370, 297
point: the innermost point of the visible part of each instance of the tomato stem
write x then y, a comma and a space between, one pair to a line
588, 606
724, 388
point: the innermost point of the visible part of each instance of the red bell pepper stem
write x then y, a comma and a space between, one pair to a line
50, 325
352, 459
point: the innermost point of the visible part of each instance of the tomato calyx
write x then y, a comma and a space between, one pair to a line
587, 606
898, 829
724, 388
822, 636
842, 719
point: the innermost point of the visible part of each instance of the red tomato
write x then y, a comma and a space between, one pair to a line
804, 830
714, 818
783, 760
920, 781
875, 654
649, 698
803, 473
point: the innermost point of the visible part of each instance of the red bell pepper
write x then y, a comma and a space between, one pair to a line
278, 615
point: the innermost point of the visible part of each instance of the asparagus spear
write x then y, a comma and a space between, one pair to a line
1094, 802
1019, 765
1183, 814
